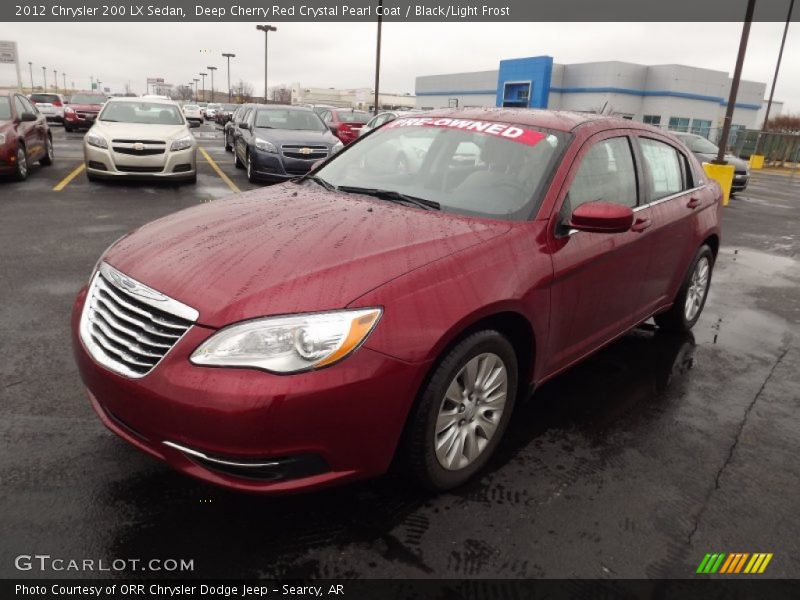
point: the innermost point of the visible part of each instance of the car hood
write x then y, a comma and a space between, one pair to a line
287, 249
139, 131
738, 163
290, 136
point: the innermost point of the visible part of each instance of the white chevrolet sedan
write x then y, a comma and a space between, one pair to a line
140, 138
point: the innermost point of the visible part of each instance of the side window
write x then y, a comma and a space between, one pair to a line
665, 167
606, 172
29, 105
20, 106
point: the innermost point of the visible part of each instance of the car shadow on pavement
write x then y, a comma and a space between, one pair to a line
236, 535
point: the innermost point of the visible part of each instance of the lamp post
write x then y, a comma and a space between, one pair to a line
774, 80
229, 56
55, 80
378, 57
30, 66
196, 81
212, 69
266, 29
203, 75
64, 79
44, 76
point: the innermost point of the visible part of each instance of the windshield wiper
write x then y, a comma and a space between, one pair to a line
109, 120
392, 196
317, 179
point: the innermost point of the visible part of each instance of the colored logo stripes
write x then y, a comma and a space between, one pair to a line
735, 562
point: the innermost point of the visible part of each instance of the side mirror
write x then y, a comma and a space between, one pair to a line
27, 116
602, 217
244, 126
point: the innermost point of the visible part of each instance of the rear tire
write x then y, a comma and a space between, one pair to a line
47, 160
691, 297
462, 411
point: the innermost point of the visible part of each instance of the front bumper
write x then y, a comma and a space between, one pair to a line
740, 181
344, 421
105, 163
267, 165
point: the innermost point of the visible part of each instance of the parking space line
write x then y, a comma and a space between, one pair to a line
65, 182
219, 171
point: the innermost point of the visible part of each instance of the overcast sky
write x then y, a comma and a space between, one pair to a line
343, 54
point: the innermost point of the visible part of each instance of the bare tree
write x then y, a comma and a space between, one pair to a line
243, 91
281, 94
784, 124
182, 92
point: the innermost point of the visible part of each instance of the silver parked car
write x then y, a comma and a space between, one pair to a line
140, 138
705, 151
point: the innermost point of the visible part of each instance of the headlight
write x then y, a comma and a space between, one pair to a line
289, 344
336, 147
266, 146
2, 138
98, 141
182, 143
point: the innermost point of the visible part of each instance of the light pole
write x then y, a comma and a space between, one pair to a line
378, 58
774, 80
229, 56
212, 69
203, 75
44, 75
64, 79
55, 80
30, 66
266, 29
196, 81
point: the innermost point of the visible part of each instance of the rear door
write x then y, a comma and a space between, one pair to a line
676, 196
596, 291
29, 131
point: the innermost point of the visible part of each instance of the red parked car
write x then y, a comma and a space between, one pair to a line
303, 335
24, 136
345, 123
82, 110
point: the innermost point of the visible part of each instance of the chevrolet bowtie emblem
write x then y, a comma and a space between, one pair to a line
305, 150
138, 147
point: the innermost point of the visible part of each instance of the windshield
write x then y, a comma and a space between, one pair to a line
51, 98
149, 113
469, 167
190, 107
231, 106
5, 108
87, 99
354, 116
284, 118
214, 106
699, 144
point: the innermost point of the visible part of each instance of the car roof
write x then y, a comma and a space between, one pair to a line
559, 120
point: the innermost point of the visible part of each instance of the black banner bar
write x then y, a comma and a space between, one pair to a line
701, 588
392, 10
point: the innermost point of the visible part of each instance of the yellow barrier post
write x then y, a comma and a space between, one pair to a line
722, 174
756, 161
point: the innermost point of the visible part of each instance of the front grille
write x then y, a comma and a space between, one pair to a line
135, 152
129, 327
155, 142
86, 115
304, 152
298, 170
97, 165
133, 169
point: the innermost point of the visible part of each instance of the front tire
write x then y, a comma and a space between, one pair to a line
251, 175
21, 174
463, 411
691, 298
228, 146
237, 162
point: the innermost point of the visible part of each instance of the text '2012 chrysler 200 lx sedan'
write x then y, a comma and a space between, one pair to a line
303, 335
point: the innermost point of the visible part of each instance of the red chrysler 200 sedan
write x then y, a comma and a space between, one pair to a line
303, 335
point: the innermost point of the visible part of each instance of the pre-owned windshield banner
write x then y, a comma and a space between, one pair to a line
503, 130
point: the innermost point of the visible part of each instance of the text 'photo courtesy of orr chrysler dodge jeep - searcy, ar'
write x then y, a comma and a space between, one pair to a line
308, 334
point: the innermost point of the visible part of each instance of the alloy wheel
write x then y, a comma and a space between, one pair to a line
470, 412
698, 286
22, 163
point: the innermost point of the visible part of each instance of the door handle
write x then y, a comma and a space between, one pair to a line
641, 224
693, 203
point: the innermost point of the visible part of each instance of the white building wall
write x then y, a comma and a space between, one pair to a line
777, 109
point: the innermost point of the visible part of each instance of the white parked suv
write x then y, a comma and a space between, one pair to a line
140, 138
193, 114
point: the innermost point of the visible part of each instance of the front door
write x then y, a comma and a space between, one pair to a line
596, 290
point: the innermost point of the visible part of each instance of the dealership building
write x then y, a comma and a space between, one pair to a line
676, 97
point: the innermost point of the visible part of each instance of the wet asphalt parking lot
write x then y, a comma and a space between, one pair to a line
636, 463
